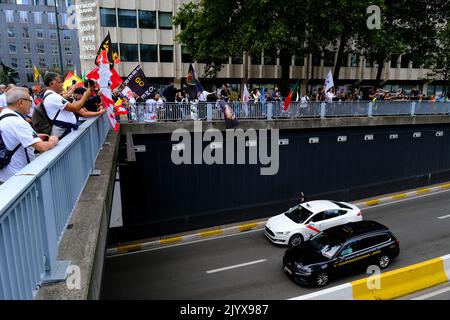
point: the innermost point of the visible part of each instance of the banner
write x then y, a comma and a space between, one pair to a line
138, 83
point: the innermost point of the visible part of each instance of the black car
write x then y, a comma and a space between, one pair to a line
340, 250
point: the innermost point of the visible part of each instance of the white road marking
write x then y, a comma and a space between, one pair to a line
236, 266
432, 294
443, 217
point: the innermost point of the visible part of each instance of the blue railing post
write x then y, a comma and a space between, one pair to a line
209, 113
55, 271
322, 110
413, 108
269, 111
370, 109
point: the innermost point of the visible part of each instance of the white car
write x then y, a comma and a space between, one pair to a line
305, 220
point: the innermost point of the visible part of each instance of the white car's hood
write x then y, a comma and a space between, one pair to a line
281, 223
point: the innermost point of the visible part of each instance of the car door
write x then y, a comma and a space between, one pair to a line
314, 225
331, 218
346, 258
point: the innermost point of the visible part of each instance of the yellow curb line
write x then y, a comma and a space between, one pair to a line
170, 240
246, 227
445, 186
131, 247
210, 233
422, 191
399, 196
372, 202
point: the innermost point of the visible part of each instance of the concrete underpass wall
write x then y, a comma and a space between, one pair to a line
161, 198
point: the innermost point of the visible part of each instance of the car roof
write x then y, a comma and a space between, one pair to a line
355, 229
320, 205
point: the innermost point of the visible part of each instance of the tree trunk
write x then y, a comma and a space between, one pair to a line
337, 67
245, 78
379, 73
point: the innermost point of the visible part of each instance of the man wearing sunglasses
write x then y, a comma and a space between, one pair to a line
18, 135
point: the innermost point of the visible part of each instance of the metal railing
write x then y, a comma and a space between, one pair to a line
35, 207
210, 111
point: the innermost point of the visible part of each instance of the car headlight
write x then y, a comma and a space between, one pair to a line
283, 233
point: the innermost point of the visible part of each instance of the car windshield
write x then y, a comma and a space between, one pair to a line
298, 214
326, 245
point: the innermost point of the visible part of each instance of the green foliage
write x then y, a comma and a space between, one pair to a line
3, 77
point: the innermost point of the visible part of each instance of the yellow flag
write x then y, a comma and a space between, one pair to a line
36, 73
70, 80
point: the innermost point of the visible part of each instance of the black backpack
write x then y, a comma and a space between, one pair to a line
40, 121
5, 154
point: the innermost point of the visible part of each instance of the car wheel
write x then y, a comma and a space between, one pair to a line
321, 279
295, 240
384, 261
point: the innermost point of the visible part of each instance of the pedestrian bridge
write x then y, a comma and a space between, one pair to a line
54, 214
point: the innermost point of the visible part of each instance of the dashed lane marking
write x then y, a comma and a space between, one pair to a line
236, 266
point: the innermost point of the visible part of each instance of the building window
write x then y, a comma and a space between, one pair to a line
14, 63
12, 48
55, 50
63, 19
51, 18
108, 17
255, 58
9, 16
26, 48
127, 18
129, 52
42, 63
68, 50
328, 58
40, 48
165, 20
165, 53
147, 19
354, 60
25, 33
37, 17
30, 77
236, 59
270, 58
53, 34
316, 59
28, 64
11, 33
39, 33
55, 64
405, 62
369, 63
67, 34
23, 17
69, 64
149, 53
299, 60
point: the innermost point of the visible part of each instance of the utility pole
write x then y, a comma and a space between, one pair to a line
59, 38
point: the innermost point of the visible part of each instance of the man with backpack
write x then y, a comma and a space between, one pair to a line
18, 140
55, 115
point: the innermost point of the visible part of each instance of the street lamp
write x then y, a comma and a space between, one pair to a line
59, 38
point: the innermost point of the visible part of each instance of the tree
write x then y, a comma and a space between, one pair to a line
3, 77
441, 58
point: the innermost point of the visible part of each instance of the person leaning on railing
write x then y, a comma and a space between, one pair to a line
17, 134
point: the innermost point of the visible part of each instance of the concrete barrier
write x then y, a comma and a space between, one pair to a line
391, 285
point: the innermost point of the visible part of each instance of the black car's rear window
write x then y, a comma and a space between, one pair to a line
298, 214
341, 205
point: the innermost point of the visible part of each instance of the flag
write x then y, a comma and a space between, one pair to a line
329, 83
138, 83
116, 57
288, 100
70, 80
105, 46
36, 73
194, 88
109, 105
230, 118
245, 99
115, 79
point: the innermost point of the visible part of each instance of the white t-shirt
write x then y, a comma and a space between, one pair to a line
329, 96
15, 131
55, 102
3, 101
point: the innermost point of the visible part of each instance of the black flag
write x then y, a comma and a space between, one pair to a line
138, 83
106, 46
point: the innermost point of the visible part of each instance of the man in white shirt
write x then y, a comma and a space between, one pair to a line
18, 134
58, 108
150, 109
330, 95
2, 97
